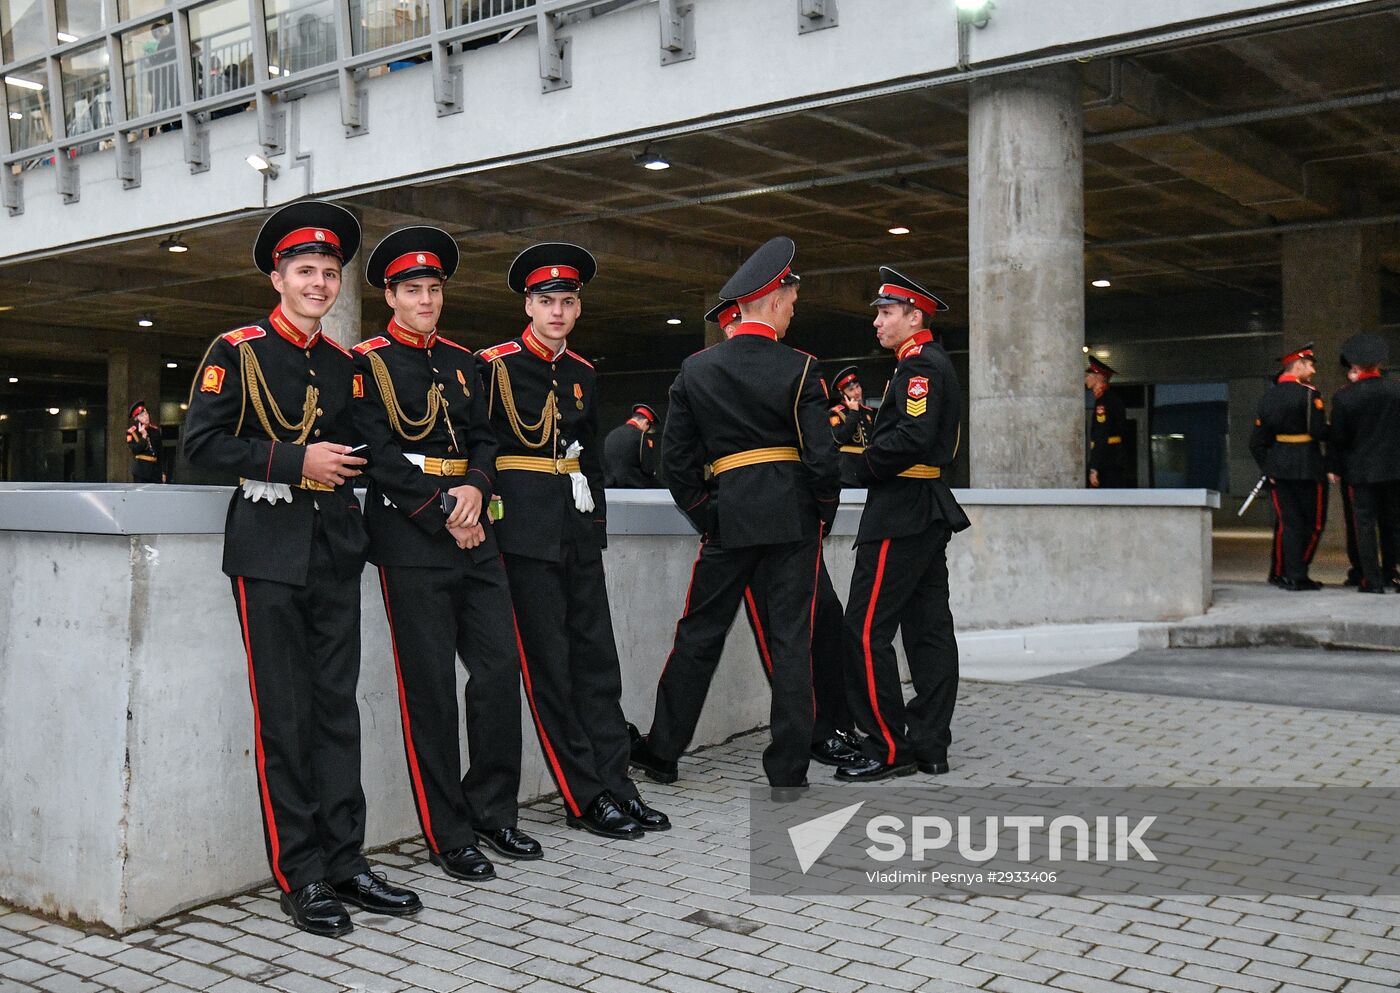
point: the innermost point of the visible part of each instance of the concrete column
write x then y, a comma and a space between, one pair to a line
1026, 279
1331, 291
131, 376
343, 323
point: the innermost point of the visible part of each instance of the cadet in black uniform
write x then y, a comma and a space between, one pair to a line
1108, 461
543, 402
143, 438
755, 412
852, 423
629, 451
832, 730
1363, 448
271, 403
901, 573
1286, 442
422, 410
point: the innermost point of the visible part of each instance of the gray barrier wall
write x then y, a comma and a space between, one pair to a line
127, 788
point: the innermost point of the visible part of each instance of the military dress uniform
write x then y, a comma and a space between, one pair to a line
145, 449
421, 408
543, 407
1363, 447
900, 580
630, 451
1108, 429
1286, 442
851, 427
294, 549
754, 411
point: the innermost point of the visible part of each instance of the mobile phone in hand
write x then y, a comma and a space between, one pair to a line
449, 503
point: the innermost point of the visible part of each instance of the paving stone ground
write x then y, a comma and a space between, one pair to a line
673, 913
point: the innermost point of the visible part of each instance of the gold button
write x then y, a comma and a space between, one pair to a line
311, 371
434, 368
308, 353
319, 411
317, 432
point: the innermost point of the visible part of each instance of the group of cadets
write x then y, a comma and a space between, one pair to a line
1362, 456
486, 518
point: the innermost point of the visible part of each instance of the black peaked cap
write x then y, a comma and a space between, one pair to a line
316, 215
763, 266
894, 277
417, 242
550, 256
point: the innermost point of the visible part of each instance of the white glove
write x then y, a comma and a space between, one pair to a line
256, 490
583, 498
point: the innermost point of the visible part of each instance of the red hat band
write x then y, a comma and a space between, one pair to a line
308, 236
1302, 353
729, 315
412, 260
643, 412
552, 272
846, 380
926, 304
768, 287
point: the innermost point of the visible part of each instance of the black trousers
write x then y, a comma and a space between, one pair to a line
902, 583
573, 681
1376, 507
145, 472
1300, 511
435, 616
717, 584
1354, 570
828, 647
303, 647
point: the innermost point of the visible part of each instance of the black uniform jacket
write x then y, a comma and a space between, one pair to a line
247, 379
852, 429
1363, 444
751, 392
1290, 410
520, 377
1106, 432
917, 425
630, 457
149, 445
396, 375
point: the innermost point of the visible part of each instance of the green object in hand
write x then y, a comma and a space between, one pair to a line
496, 509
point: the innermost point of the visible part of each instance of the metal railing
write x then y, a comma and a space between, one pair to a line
204, 78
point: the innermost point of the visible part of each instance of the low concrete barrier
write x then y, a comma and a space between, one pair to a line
127, 788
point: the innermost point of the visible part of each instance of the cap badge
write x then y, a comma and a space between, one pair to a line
422, 259
320, 236
554, 271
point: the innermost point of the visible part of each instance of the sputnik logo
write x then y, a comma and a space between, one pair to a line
811, 839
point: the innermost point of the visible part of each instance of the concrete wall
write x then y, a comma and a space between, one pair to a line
128, 792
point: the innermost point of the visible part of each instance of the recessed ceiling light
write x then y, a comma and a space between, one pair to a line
175, 244
184, 406
14, 379
1102, 353
673, 320
653, 160
53, 410
1085, 349
144, 322
82, 411
898, 230
4, 417
6, 307
172, 365
1102, 284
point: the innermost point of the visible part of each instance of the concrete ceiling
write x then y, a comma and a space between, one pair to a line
1154, 184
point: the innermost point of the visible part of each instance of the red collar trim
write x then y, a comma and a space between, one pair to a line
1285, 378
1368, 375
538, 347
284, 326
407, 336
639, 422
918, 338
757, 328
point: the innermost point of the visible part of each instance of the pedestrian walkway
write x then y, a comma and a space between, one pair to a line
673, 912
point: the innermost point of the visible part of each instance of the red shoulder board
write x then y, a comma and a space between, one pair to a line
365, 347
446, 341
579, 357
239, 336
914, 351
336, 345
496, 351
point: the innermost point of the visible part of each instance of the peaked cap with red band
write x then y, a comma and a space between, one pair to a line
767, 269
845, 378
412, 253
553, 267
645, 411
1365, 350
1306, 352
724, 313
895, 287
308, 227
136, 408
1102, 368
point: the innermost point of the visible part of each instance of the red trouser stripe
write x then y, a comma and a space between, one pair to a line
555, 768
758, 634
258, 746
419, 797
686, 609
870, 655
812, 625
1317, 529
1278, 534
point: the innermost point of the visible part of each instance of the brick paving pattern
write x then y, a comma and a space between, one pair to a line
673, 913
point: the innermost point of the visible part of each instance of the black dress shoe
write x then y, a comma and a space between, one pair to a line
834, 751
314, 908
1365, 587
513, 843
1298, 585
868, 770
649, 818
1352, 580
657, 769
789, 794
606, 819
372, 892
466, 863
934, 768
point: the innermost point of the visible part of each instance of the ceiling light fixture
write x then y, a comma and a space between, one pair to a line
653, 160
898, 230
184, 406
53, 410
261, 164
172, 365
1102, 284
673, 321
145, 322
13, 380
24, 84
1085, 349
175, 244
1102, 353
82, 411
16, 115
